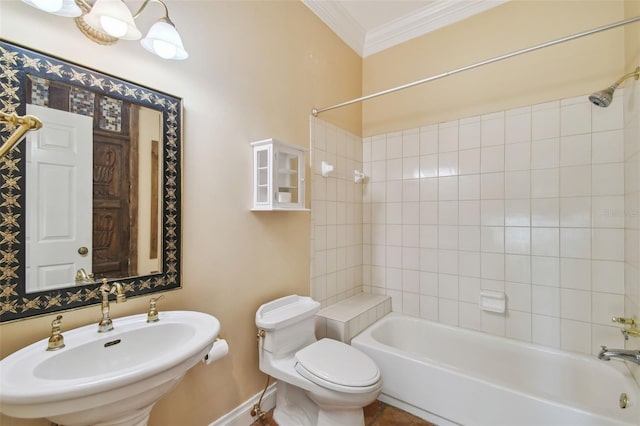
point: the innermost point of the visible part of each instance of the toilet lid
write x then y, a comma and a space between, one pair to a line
329, 361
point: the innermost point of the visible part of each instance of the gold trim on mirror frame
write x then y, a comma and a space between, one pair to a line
15, 63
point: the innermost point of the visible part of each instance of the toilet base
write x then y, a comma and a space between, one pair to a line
295, 408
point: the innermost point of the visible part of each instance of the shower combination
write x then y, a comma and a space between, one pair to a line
604, 97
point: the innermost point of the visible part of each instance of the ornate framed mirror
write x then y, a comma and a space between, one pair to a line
131, 227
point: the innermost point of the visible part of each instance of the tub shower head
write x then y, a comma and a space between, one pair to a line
604, 97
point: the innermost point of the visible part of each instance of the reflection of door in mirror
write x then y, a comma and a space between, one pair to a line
124, 203
59, 160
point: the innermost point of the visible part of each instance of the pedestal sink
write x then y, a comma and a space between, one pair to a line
111, 378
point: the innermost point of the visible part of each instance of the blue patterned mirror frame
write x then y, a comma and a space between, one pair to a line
16, 64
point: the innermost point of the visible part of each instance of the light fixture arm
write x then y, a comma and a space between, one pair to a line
25, 123
144, 5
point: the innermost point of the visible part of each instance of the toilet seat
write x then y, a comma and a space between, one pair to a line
337, 366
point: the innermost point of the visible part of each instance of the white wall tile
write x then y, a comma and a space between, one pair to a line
518, 326
545, 153
411, 167
608, 147
575, 336
518, 125
517, 212
492, 129
492, 186
492, 212
575, 212
492, 239
469, 187
518, 185
492, 159
469, 133
429, 140
429, 166
469, 212
608, 212
609, 118
411, 143
545, 121
545, 270
448, 188
575, 274
448, 136
517, 268
608, 244
545, 183
607, 276
575, 242
517, 240
517, 156
469, 238
575, 116
575, 304
575, 181
545, 241
470, 316
605, 306
448, 311
575, 150
545, 212
448, 163
545, 330
469, 264
608, 179
469, 161
545, 300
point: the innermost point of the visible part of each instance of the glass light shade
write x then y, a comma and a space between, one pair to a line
67, 8
114, 18
163, 40
50, 6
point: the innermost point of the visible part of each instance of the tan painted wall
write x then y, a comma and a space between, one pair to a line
565, 70
256, 70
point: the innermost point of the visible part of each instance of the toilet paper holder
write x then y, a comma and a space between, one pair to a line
219, 349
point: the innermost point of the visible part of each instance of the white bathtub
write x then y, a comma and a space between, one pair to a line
450, 375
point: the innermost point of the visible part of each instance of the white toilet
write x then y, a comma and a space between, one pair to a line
320, 382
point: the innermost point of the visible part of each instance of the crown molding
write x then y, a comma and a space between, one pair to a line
437, 15
340, 21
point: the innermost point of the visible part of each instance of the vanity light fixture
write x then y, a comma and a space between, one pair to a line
107, 21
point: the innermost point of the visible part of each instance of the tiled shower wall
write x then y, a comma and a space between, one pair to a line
336, 214
529, 202
632, 207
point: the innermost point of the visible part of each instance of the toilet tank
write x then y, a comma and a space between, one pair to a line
288, 322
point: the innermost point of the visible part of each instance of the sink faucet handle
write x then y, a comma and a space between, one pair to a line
152, 315
56, 341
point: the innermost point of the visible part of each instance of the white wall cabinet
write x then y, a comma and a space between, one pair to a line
278, 176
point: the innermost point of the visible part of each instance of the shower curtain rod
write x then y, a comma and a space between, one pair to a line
316, 111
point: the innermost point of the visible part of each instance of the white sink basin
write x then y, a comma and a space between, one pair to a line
112, 377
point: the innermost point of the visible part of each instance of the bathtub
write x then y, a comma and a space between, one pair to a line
452, 376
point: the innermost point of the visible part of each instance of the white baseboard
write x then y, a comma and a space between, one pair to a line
241, 415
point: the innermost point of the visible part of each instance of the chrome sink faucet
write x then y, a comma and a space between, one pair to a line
624, 354
116, 288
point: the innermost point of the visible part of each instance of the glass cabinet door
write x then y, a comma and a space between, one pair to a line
278, 170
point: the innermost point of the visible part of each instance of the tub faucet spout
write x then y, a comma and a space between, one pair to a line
626, 355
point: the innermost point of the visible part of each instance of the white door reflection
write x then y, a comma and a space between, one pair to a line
59, 198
